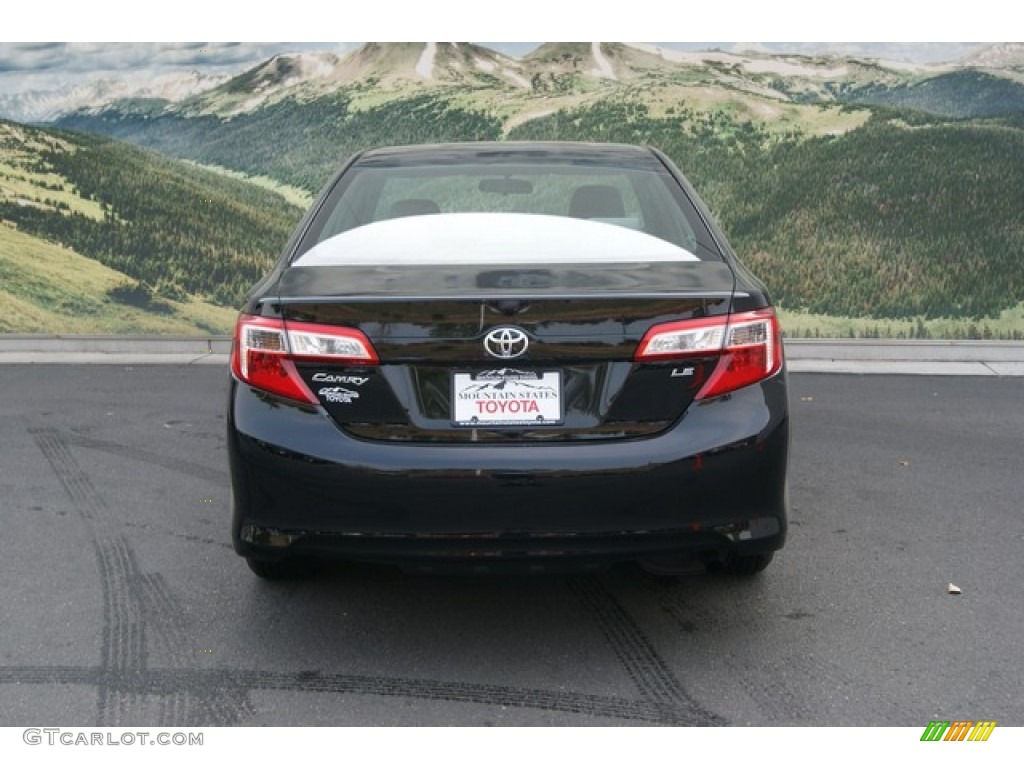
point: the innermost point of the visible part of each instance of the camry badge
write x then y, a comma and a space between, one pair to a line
506, 343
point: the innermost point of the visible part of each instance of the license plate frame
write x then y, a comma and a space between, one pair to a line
506, 397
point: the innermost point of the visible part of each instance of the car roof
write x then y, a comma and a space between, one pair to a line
501, 152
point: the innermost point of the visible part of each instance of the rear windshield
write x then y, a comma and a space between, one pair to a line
643, 200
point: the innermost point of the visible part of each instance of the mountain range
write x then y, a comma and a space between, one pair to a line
42, 106
854, 187
294, 117
388, 65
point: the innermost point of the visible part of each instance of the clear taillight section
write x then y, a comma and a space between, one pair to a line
346, 346
749, 345
265, 349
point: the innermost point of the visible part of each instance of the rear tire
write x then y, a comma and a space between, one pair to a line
279, 570
746, 565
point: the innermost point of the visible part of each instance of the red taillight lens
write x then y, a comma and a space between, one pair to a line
264, 350
749, 345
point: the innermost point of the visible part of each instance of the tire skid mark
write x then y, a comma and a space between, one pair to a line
163, 610
116, 653
141, 611
174, 708
152, 604
138, 610
165, 613
177, 685
55, 675
679, 617
653, 678
160, 605
182, 466
123, 648
768, 689
177, 534
78, 486
477, 693
676, 603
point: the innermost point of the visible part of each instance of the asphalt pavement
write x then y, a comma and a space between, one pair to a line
125, 605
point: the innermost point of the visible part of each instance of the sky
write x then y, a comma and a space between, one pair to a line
44, 65
48, 65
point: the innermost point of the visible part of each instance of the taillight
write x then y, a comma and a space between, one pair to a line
265, 349
749, 345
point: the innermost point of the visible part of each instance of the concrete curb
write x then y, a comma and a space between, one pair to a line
911, 357
906, 368
141, 345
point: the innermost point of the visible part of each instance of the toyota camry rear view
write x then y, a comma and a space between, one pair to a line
525, 355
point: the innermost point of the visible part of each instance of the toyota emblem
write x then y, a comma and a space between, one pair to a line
506, 343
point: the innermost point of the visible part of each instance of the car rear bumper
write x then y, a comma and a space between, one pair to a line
713, 483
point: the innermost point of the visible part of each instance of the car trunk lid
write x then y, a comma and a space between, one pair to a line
438, 296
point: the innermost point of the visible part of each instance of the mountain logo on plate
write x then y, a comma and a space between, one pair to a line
506, 343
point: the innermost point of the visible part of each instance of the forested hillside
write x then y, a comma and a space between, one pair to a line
908, 215
890, 220
179, 231
299, 143
969, 93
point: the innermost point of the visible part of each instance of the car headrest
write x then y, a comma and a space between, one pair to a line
413, 207
596, 201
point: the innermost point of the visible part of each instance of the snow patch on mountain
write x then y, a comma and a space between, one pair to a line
604, 67
911, 66
425, 66
780, 67
516, 78
996, 55
315, 65
688, 57
750, 64
773, 63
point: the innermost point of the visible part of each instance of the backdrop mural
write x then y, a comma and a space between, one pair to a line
879, 190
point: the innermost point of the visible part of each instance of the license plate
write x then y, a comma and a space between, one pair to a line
506, 397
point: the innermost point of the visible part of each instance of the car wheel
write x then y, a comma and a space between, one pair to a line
279, 570
746, 565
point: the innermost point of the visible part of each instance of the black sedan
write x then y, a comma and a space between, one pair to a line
525, 355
